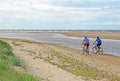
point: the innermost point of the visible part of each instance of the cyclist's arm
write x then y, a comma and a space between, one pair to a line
83, 42
95, 42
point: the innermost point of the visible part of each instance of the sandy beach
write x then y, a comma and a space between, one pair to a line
41, 63
103, 35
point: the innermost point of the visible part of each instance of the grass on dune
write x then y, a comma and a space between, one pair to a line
79, 68
76, 67
7, 63
71, 65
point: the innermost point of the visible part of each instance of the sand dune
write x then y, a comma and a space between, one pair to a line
34, 55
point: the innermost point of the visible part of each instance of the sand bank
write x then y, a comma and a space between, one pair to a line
104, 35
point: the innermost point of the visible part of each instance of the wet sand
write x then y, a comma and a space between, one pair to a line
103, 35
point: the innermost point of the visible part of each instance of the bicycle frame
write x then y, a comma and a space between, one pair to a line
85, 49
96, 49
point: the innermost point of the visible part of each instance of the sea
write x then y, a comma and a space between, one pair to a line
110, 46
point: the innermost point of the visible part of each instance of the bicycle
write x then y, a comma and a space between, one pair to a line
85, 50
95, 50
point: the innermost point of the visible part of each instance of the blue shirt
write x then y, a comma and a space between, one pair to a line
86, 41
98, 40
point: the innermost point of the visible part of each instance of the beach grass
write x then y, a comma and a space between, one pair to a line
69, 64
26, 41
7, 63
79, 68
76, 67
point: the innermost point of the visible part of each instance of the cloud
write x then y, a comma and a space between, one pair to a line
49, 11
82, 1
23, 8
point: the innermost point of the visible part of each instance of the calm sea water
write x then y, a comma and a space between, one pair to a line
110, 46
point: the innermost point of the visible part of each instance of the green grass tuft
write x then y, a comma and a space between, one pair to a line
26, 41
7, 63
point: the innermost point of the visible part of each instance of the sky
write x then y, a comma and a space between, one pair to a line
60, 14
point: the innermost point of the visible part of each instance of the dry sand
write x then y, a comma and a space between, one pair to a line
30, 53
105, 35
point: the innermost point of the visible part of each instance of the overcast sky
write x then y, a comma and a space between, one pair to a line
60, 14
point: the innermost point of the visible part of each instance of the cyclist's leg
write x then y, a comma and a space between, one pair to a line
83, 48
87, 50
100, 50
96, 47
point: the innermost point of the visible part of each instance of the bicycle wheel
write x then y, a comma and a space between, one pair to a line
85, 50
94, 50
100, 51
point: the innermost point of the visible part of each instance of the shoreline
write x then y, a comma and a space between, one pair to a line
36, 42
93, 34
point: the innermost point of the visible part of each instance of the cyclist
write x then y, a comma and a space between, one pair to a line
86, 42
98, 42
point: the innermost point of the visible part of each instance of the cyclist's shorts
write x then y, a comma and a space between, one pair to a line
98, 44
87, 45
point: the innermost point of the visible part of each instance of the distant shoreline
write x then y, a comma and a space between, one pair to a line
28, 30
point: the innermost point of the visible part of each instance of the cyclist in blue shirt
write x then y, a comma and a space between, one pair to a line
86, 42
98, 42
